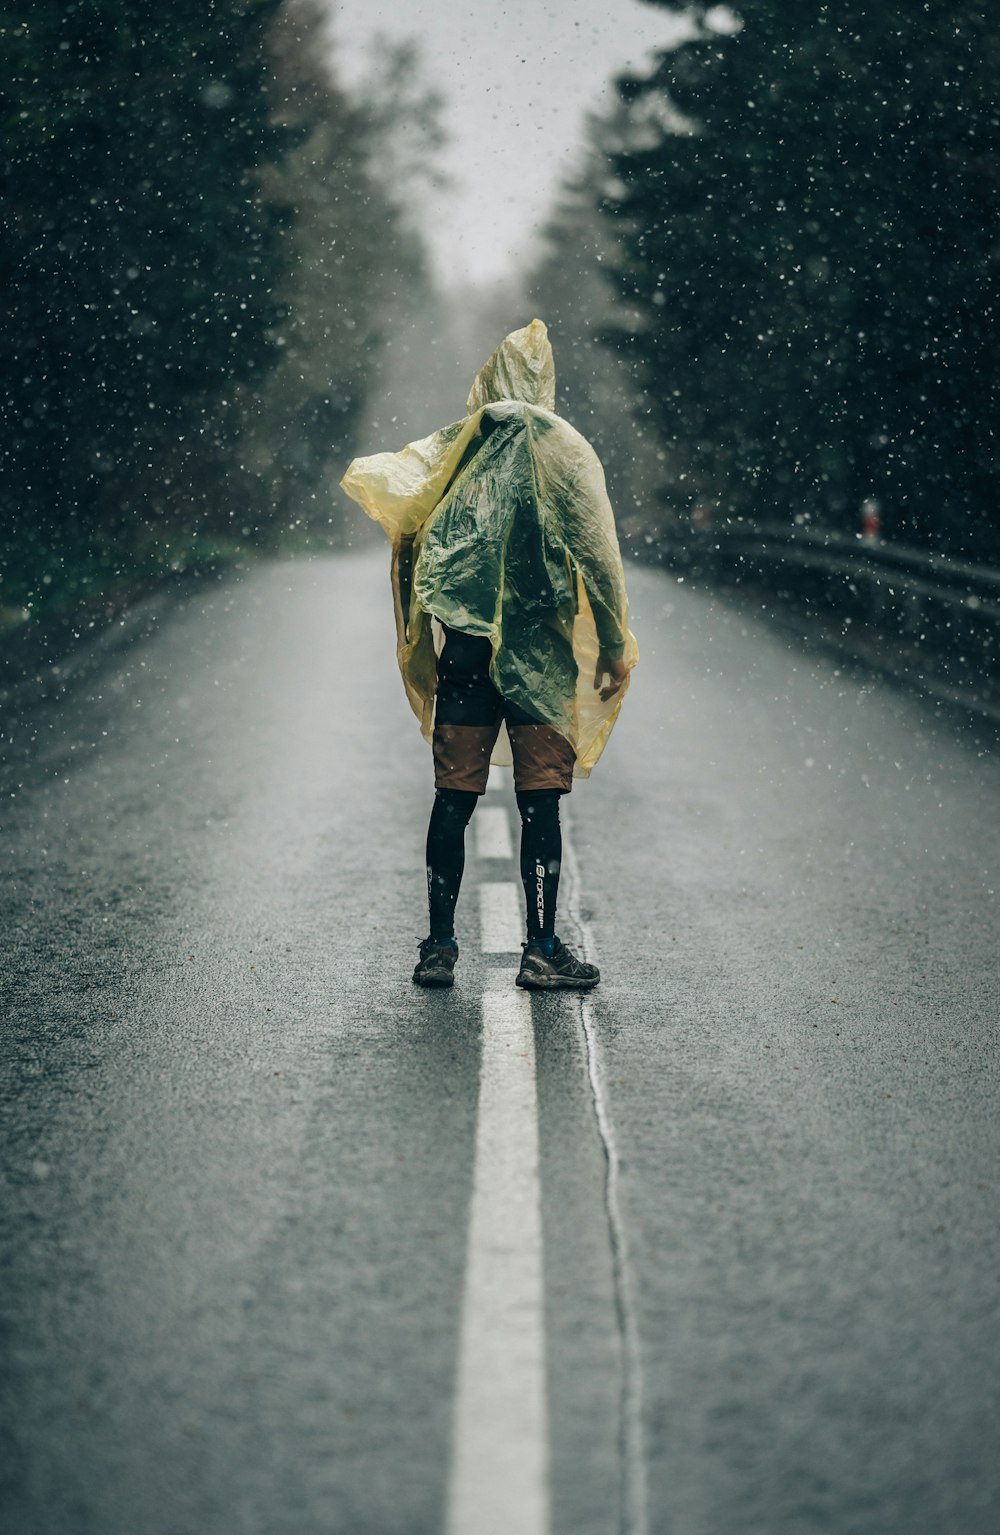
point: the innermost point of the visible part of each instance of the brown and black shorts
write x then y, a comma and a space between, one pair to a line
467, 721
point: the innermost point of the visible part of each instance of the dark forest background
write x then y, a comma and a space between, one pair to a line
205, 248
772, 287
797, 216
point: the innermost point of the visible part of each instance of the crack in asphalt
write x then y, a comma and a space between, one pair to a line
633, 1517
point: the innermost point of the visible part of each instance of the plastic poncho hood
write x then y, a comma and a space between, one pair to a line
500, 525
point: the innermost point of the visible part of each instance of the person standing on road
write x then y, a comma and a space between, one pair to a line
512, 628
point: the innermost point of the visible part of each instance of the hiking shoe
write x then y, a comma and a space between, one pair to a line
559, 971
436, 966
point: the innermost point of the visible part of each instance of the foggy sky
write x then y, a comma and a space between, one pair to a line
519, 75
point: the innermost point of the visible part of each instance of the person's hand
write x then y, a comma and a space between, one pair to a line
615, 670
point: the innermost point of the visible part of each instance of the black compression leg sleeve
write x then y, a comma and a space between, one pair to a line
446, 856
541, 855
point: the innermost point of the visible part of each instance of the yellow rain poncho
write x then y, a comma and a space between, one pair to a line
500, 525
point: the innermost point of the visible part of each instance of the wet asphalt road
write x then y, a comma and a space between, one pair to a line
238, 1144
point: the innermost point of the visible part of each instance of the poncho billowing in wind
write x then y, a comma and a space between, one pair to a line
500, 525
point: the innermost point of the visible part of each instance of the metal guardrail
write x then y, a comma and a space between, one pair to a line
941, 615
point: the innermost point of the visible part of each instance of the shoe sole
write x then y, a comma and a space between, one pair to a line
437, 984
556, 983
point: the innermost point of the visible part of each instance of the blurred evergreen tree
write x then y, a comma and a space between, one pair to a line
202, 246
807, 218
567, 287
141, 259
353, 267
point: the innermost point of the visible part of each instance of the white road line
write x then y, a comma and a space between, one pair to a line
501, 919
492, 825
494, 778
500, 1460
